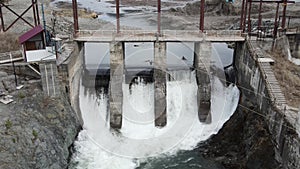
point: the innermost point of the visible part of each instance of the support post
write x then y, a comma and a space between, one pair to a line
116, 80
118, 15
75, 16
242, 16
249, 16
37, 12
1, 18
259, 15
284, 14
203, 52
202, 8
245, 16
34, 12
158, 16
276, 22
160, 66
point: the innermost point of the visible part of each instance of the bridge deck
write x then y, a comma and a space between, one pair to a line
165, 36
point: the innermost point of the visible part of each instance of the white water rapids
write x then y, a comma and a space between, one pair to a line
98, 147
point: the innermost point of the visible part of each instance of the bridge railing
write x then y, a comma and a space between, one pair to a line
163, 33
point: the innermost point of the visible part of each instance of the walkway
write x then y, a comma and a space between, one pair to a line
273, 86
165, 36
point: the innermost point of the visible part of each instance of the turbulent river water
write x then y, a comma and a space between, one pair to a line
139, 144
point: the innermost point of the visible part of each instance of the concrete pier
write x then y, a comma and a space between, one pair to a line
203, 52
116, 79
160, 57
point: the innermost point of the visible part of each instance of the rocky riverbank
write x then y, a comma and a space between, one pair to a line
243, 142
36, 131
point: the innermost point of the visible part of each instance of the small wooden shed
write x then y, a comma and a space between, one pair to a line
34, 47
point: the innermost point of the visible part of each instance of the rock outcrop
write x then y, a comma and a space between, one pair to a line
36, 131
243, 142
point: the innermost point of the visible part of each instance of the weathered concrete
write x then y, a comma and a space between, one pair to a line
282, 44
70, 73
166, 36
294, 41
116, 80
255, 89
202, 64
160, 57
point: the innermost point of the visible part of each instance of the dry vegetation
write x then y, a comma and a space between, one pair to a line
9, 42
66, 10
288, 75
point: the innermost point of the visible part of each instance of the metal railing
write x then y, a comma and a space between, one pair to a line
7, 56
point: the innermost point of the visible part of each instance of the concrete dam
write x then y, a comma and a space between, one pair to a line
155, 79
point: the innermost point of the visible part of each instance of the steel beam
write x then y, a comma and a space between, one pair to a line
276, 22
37, 12
249, 17
34, 12
281, 1
202, 15
118, 15
75, 16
19, 17
245, 15
259, 15
242, 16
1, 18
283, 14
158, 16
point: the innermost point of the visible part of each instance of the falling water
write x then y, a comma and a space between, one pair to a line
99, 147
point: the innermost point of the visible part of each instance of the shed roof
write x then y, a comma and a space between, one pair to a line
31, 33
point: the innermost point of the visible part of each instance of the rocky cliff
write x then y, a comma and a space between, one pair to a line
36, 131
243, 142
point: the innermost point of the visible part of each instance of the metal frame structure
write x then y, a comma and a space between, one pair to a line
35, 10
245, 14
247, 4
76, 25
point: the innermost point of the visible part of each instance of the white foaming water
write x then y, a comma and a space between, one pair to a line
98, 147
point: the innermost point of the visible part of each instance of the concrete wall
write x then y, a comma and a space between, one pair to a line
253, 88
294, 42
70, 73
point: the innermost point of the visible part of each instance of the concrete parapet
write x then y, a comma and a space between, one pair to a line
203, 52
116, 80
160, 65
